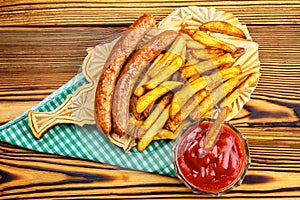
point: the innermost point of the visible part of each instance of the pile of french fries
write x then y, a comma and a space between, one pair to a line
184, 83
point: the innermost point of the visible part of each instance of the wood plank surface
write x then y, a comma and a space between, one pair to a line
42, 46
74, 13
30, 175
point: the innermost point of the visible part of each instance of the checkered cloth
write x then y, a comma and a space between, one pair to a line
85, 142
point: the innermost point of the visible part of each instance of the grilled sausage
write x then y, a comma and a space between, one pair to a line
130, 74
113, 66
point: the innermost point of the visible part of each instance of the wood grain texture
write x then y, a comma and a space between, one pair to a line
42, 46
70, 13
29, 175
62, 50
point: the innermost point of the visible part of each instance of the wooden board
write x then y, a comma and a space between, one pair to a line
42, 46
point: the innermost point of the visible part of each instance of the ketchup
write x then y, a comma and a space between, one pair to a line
214, 170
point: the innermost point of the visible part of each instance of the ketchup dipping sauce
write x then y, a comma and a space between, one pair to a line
214, 171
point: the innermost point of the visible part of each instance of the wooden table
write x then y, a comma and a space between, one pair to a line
42, 45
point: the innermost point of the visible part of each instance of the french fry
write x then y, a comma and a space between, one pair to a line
189, 32
178, 52
139, 91
211, 41
182, 96
176, 49
215, 96
144, 101
165, 74
205, 54
145, 125
214, 54
202, 67
178, 46
192, 44
223, 27
214, 51
164, 134
200, 54
236, 69
163, 62
155, 68
222, 75
248, 82
149, 135
192, 61
173, 123
196, 76
185, 93
167, 58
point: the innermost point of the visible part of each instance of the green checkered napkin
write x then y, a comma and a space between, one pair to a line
85, 142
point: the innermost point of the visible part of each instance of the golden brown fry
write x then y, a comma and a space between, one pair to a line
214, 98
177, 49
236, 69
139, 91
185, 93
224, 59
173, 123
223, 27
196, 76
162, 65
153, 130
165, 74
214, 54
178, 46
200, 54
192, 61
161, 61
201, 67
190, 32
192, 44
182, 96
144, 101
222, 75
211, 41
219, 52
164, 134
167, 58
248, 82
153, 115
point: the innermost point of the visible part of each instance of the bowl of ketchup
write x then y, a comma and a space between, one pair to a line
213, 171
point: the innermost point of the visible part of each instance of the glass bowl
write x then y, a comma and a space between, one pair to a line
213, 171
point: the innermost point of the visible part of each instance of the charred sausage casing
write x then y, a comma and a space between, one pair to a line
130, 74
113, 66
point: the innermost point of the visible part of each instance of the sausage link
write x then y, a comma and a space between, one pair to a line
130, 74
113, 66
